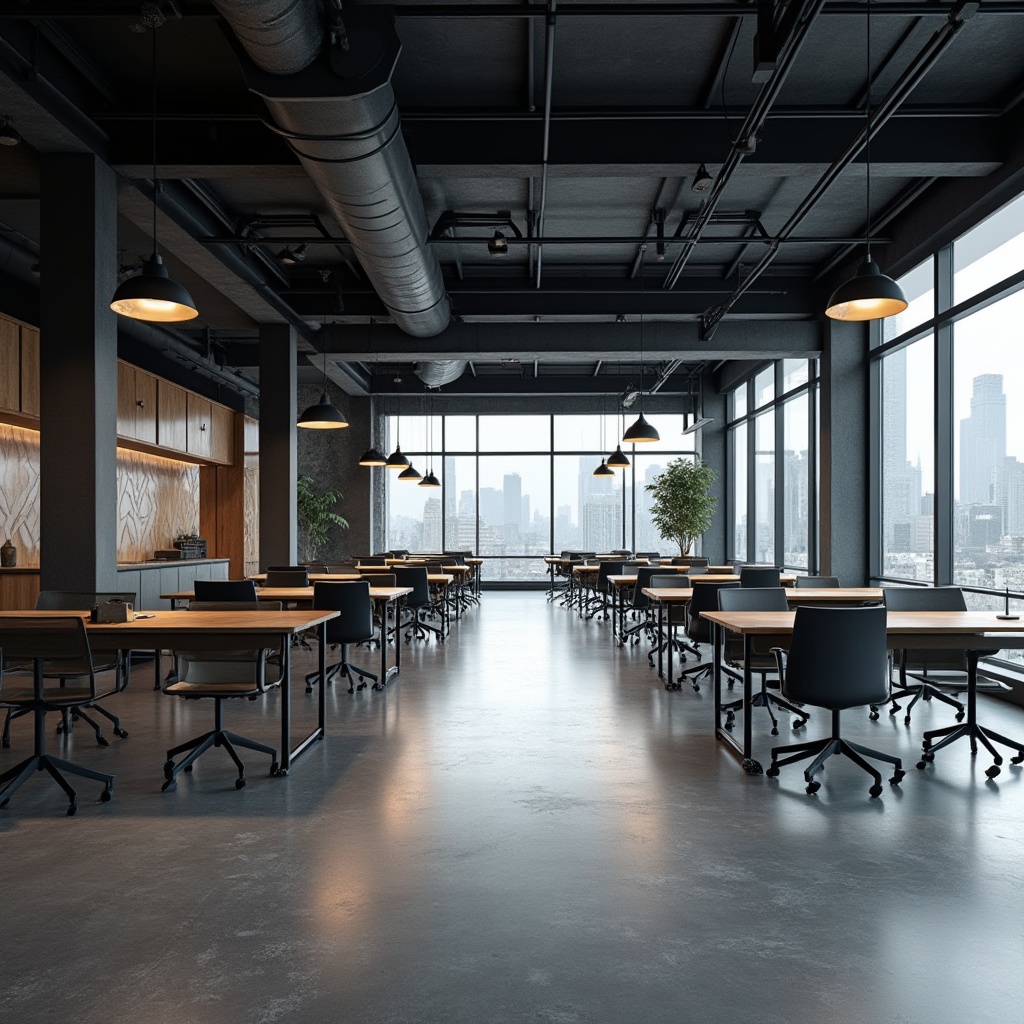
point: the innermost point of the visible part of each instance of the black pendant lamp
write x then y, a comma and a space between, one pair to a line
410, 473
869, 294
603, 470
153, 294
323, 415
640, 431
396, 460
430, 480
618, 458
372, 457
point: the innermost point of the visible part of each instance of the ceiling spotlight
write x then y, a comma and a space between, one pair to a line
9, 136
701, 179
498, 246
292, 254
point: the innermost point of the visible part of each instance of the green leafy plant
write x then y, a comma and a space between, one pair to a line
315, 514
682, 509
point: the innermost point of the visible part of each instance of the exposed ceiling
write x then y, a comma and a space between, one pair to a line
578, 131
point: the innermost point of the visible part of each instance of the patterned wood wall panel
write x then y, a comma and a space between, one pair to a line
252, 513
156, 498
19, 491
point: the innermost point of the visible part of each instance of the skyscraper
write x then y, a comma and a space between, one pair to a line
512, 490
983, 441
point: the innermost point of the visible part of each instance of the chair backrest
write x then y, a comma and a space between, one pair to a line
213, 661
622, 552
760, 576
225, 590
338, 567
837, 658
696, 570
287, 577
605, 569
287, 568
415, 577
704, 599
79, 600
666, 581
750, 599
379, 579
373, 560
648, 554
54, 642
928, 599
352, 600
398, 553
456, 559
815, 582
644, 574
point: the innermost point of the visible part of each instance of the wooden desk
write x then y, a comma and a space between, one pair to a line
257, 628
970, 632
259, 578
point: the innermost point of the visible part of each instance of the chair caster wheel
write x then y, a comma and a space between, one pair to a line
168, 769
169, 786
275, 768
906, 719
106, 795
772, 772
959, 716
71, 810
993, 771
188, 768
775, 730
875, 790
1017, 760
239, 783
102, 741
873, 716
897, 777
813, 787
894, 709
123, 733
922, 765
799, 723
696, 687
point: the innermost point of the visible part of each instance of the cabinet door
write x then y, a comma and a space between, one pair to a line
222, 421
10, 365
172, 415
199, 432
30, 371
125, 400
145, 407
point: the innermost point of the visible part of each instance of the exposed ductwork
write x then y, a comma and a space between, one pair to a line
335, 106
440, 371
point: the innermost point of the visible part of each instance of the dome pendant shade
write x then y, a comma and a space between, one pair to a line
640, 431
372, 457
618, 459
410, 473
154, 295
603, 470
868, 295
322, 416
430, 480
396, 460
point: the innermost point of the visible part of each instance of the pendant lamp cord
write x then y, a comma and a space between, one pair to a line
643, 249
867, 144
153, 30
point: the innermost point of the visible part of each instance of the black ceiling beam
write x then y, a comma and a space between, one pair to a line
514, 384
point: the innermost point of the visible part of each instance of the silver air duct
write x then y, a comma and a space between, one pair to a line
440, 371
338, 113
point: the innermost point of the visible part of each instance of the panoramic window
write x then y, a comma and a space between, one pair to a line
989, 253
919, 288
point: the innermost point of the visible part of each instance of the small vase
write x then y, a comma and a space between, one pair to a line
8, 555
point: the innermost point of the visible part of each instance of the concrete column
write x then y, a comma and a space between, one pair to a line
278, 460
713, 442
78, 374
844, 453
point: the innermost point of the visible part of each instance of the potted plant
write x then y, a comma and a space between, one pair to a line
682, 509
316, 516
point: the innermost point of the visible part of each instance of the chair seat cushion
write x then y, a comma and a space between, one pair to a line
219, 689
65, 696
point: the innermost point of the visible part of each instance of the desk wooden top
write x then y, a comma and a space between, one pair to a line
795, 595
786, 579
921, 623
331, 577
305, 593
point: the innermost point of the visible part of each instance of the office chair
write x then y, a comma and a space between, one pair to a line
599, 598
287, 577
649, 555
225, 590
288, 568
210, 668
103, 660
419, 603
51, 648
760, 576
668, 581
353, 626
917, 664
640, 605
762, 661
398, 553
816, 582
373, 560
837, 659
705, 599
381, 579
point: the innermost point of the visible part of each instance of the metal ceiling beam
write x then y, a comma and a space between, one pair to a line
516, 385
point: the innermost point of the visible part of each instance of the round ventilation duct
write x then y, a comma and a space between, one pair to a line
440, 371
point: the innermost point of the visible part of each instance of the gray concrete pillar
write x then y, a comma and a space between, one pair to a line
278, 459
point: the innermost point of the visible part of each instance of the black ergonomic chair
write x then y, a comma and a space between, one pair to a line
760, 576
915, 666
816, 582
837, 659
354, 625
704, 599
47, 648
419, 603
640, 604
649, 555
373, 560
599, 600
288, 568
214, 668
762, 661
225, 590
103, 660
287, 577
669, 581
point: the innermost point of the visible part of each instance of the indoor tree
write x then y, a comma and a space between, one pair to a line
316, 515
682, 507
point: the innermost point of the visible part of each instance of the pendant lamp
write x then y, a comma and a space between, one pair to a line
323, 415
618, 458
603, 470
869, 294
372, 457
153, 294
430, 480
396, 460
410, 473
640, 431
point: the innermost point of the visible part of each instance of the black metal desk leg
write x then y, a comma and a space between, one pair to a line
661, 634
286, 703
750, 766
670, 679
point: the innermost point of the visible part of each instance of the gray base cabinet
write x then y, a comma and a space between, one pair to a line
150, 580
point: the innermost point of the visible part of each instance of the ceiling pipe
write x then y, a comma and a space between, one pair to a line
549, 74
339, 116
925, 60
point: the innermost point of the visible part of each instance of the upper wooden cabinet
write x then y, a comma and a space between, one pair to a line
30, 371
172, 420
10, 366
222, 440
136, 404
199, 428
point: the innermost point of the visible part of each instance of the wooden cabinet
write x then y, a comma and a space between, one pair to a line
199, 429
222, 441
172, 419
30, 371
10, 366
136, 404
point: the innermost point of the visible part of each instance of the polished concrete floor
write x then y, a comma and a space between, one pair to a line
525, 827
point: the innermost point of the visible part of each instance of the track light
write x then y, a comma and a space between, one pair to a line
701, 179
292, 254
498, 246
9, 136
